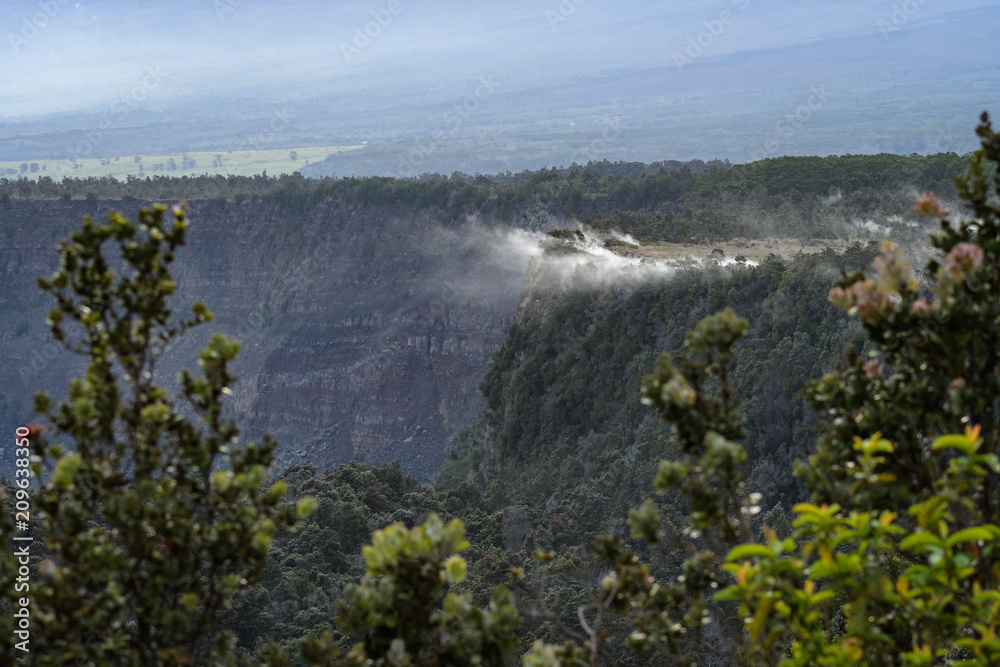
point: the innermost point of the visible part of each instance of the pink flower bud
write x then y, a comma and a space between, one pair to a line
964, 258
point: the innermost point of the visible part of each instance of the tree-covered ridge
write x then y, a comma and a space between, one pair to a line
616, 184
570, 370
848, 173
669, 201
567, 439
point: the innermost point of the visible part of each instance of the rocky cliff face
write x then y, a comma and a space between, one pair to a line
365, 329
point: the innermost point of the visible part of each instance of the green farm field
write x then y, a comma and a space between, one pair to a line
276, 161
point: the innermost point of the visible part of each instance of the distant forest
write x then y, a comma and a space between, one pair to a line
695, 201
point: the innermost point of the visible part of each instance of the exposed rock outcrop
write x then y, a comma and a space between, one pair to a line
364, 329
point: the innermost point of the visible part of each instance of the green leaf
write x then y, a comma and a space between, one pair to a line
644, 522
456, 569
543, 555
222, 480
821, 597
974, 534
277, 490
42, 403
66, 470
745, 551
305, 507
917, 540
759, 619
732, 593
959, 442
821, 570
262, 541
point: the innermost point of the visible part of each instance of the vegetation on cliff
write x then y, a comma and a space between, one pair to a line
668, 201
161, 533
151, 515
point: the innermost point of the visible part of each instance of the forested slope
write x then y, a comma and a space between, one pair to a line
564, 426
564, 448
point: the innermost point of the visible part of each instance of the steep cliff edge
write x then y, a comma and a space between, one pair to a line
365, 329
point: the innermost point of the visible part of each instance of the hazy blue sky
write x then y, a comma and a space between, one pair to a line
59, 56
666, 65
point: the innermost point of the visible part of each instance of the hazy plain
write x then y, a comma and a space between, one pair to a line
495, 85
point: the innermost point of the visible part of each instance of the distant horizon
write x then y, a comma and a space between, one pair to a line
496, 86
278, 174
